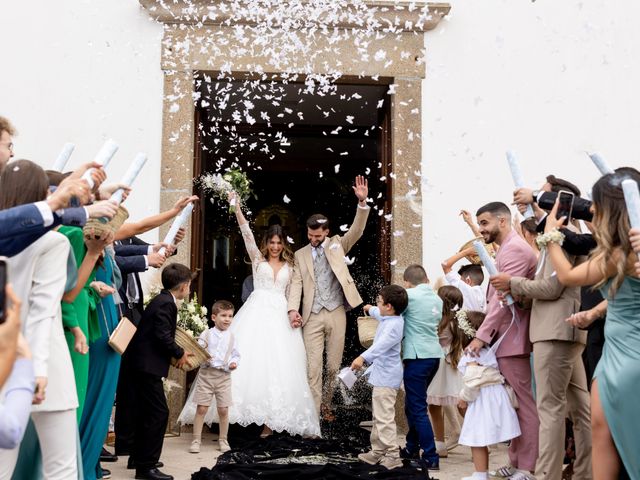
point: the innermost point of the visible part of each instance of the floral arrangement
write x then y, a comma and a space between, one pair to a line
220, 185
554, 236
464, 325
192, 317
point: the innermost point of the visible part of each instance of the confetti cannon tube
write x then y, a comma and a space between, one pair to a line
63, 157
129, 176
103, 157
601, 164
175, 226
489, 264
518, 179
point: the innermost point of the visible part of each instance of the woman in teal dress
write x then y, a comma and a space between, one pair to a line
104, 366
615, 421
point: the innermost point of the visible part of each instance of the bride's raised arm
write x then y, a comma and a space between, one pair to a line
245, 230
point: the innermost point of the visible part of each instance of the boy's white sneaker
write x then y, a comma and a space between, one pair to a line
223, 446
370, 457
195, 446
390, 462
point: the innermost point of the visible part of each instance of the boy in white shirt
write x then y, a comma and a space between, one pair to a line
214, 377
468, 280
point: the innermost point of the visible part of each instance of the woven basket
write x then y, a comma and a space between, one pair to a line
367, 327
474, 258
190, 344
98, 227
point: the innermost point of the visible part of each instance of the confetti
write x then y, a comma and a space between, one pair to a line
344, 227
286, 199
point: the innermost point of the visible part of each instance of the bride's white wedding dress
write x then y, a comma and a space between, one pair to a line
270, 384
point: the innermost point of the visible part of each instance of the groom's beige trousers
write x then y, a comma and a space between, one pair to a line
324, 329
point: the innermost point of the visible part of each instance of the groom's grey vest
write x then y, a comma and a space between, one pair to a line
328, 292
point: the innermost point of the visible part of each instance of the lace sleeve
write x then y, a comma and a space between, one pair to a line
250, 244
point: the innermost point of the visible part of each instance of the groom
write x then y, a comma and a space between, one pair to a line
321, 278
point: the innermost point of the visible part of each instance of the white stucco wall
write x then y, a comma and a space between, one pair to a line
83, 72
549, 80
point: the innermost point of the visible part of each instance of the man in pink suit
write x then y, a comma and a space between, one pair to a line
515, 257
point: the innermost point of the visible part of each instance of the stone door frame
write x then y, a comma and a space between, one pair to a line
408, 71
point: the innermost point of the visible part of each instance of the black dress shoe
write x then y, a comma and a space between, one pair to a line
131, 464
106, 474
153, 474
105, 456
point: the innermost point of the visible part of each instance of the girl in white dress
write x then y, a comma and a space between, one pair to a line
270, 388
490, 417
447, 382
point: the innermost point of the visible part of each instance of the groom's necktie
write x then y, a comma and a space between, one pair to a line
319, 251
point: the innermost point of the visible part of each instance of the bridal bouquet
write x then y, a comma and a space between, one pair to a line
220, 185
192, 317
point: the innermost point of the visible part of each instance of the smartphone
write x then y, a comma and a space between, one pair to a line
565, 205
3, 283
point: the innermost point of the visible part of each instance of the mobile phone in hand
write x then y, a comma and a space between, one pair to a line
565, 205
3, 283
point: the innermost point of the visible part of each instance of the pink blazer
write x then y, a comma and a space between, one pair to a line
515, 257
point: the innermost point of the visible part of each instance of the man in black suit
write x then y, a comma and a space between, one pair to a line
133, 256
151, 350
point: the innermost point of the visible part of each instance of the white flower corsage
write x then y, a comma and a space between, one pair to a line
464, 325
554, 236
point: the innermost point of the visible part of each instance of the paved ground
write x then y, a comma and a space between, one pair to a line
181, 464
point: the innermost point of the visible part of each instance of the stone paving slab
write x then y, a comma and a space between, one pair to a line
181, 464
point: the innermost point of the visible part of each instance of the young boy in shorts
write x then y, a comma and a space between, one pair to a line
214, 377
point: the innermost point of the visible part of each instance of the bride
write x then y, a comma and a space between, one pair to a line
270, 385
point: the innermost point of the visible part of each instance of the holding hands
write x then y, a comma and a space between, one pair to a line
295, 319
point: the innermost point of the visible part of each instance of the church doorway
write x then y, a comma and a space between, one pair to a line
307, 150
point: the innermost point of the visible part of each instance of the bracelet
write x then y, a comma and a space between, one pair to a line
554, 236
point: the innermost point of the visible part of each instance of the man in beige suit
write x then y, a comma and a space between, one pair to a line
321, 279
561, 382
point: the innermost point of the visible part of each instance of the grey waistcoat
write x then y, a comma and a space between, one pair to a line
328, 292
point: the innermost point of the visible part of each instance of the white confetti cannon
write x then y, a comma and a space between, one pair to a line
601, 164
130, 176
518, 180
489, 265
632, 199
103, 157
63, 157
175, 226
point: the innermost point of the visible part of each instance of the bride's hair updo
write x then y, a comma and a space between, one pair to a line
277, 231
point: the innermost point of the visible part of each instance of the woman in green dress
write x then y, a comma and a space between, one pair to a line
615, 421
79, 314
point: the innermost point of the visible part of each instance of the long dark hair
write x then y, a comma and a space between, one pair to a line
22, 181
451, 302
276, 231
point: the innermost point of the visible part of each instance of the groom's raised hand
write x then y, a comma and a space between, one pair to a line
361, 189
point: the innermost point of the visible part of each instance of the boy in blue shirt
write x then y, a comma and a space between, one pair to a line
385, 374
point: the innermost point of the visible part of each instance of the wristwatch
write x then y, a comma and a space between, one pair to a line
535, 194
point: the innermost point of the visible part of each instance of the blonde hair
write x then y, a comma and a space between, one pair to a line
6, 126
611, 222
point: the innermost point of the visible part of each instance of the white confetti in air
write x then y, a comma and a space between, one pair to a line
174, 108
349, 261
344, 227
367, 171
321, 221
16, 168
286, 199
337, 168
350, 119
388, 217
290, 240
398, 233
393, 262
